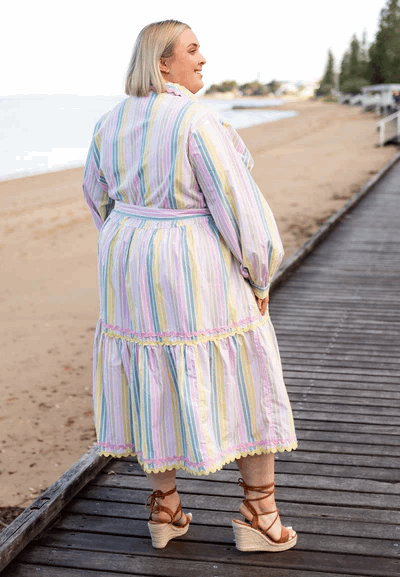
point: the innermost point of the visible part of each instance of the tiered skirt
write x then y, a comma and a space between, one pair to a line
186, 371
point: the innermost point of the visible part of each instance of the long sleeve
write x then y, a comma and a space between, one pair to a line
222, 164
94, 185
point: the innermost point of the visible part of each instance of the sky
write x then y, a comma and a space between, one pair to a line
84, 46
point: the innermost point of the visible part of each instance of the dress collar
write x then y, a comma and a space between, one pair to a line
178, 89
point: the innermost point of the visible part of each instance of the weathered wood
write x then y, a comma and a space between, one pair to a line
219, 529
294, 261
358, 400
386, 494
377, 557
291, 467
219, 502
324, 384
131, 510
104, 565
342, 418
46, 507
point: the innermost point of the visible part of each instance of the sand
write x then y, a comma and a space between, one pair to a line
306, 166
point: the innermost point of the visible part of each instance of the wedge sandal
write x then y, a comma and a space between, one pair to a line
163, 531
249, 536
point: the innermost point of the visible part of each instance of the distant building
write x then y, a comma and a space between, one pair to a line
286, 88
303, 88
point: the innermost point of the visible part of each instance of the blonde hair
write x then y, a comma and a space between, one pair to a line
155, 41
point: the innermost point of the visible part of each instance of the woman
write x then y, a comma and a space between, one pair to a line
187, 373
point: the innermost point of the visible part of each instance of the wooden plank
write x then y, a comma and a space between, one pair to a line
294, 468
336, 379
387, 412
134, 509
311, 416
326, 388
350, 401
218, 502
380, 469
306, 424
218, 531
111, 565
350, 491
387, 376
335, 346
374, 462
368, 556
325, 357
46, 507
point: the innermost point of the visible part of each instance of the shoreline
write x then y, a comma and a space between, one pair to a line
307, 167
78, 164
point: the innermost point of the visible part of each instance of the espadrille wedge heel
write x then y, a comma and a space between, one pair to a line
250, 537
163, 531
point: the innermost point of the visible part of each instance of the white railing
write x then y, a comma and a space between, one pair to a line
389, 127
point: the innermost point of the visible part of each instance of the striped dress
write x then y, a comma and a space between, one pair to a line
186, 370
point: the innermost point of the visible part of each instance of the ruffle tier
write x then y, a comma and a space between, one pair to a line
192, 402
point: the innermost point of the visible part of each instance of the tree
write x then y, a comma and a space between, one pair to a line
363, 55
354, 57
352, 76
353, 85
273, 86
225, 86
254, 88
384, 52
212, 89
328, 79
391, 26
344, 74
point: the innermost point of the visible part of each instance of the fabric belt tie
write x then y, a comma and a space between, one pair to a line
149, 212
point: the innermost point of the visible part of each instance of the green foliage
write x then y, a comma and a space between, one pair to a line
380, 62
327, 82
353, 85
254, 89
273, 86
225, 86
324, 90
385, 57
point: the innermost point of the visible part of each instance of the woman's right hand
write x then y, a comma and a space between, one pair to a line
262, 304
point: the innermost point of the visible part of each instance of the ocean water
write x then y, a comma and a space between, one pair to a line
51, 132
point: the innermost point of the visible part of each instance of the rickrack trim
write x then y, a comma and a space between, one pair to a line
212, 469
198, 337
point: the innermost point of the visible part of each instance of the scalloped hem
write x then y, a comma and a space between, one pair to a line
213, 469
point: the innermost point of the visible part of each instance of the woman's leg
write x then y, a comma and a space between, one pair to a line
258, 470
164, 482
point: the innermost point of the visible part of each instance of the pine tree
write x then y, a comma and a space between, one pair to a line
391, 24
354, 60
353, 67
328, 79
384, 52
344, 73
363, 55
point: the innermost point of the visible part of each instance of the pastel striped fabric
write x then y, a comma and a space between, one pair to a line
186, 371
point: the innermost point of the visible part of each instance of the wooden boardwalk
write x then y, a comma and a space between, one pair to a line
337, 320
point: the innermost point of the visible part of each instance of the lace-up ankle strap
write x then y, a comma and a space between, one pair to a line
154, 507
261, 489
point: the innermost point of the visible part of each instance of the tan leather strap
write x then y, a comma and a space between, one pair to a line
254, 523
155, 507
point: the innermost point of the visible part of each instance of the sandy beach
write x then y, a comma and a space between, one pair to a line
306, 166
